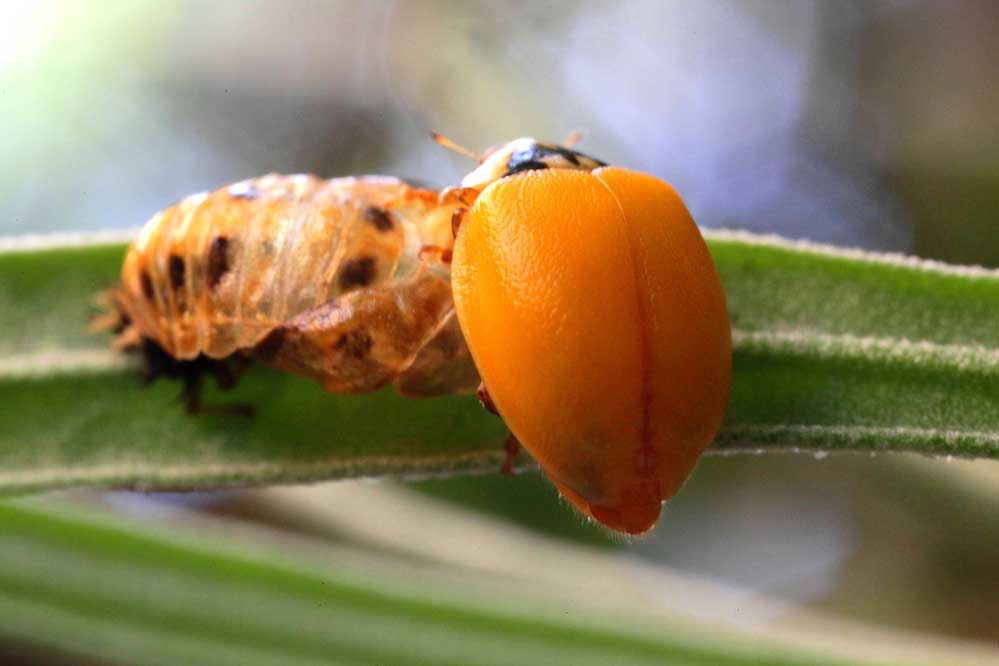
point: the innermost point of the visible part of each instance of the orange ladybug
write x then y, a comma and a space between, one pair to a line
597, 321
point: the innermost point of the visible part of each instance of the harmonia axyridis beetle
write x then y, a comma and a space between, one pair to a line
597, 322
584, 294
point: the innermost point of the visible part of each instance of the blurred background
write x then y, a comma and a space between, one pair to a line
870, 124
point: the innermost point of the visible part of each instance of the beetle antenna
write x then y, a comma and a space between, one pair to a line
451, 145
574, 137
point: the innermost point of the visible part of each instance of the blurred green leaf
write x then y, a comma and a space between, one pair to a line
108, 591
527, 499
833, 351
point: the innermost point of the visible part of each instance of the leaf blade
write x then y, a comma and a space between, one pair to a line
834, 350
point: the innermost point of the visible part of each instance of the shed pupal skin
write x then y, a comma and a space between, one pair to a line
597, 321
324, 278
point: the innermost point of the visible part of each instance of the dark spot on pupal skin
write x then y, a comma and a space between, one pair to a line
245, 191
147, 286
218, 261
358, 272
356, 343
268, 348
380, 218
175, 268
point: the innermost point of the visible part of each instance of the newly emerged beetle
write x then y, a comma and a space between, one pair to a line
585, 296
597, 321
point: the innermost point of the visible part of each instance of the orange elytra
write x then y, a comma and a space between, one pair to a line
597, 321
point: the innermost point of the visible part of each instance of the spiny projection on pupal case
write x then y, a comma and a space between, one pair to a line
340, 280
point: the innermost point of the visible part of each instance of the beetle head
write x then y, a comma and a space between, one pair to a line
526, 154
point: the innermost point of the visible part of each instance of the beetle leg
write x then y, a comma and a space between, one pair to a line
512, 445
464, 197
483, 395
457, 218
512, 448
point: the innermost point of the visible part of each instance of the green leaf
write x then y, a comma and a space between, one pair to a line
834, 350
846, 350
107, 591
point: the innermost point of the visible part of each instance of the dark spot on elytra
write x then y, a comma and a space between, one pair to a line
218, 261
245, 191
175, 268
356, 343
268, 348
358, 272
380, 218
147, 285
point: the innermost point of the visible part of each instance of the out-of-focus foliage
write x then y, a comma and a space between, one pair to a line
107, 591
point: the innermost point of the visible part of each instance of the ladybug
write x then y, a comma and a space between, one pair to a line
582, 294
597, 321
